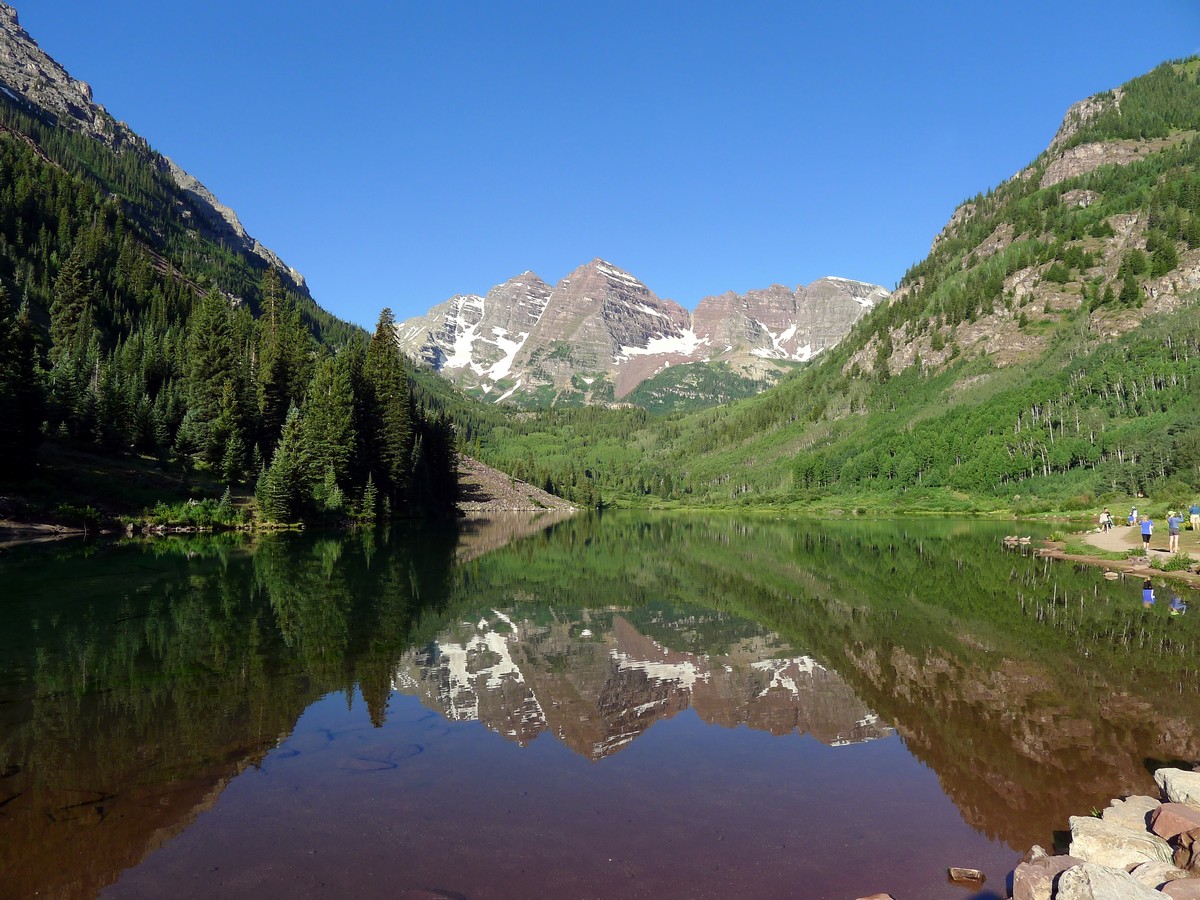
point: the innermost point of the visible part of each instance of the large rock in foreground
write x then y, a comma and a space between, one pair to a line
1108, 844
1090, 881
1180, 786
1036, 874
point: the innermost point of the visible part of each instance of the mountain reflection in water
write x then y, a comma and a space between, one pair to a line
595, 682
149, 688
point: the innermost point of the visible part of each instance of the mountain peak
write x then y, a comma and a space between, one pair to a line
601, 332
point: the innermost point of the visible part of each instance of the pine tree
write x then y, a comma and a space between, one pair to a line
72, 311
282, 354
329, 418
211, 377
284, 489
21, 397
390, 413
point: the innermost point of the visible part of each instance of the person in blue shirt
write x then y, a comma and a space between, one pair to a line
1194, 512
1177, 607
1147, 594
1174, 520
1133, 516
1147, 531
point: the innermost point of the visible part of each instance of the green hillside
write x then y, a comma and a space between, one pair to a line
1044, 354
126, 331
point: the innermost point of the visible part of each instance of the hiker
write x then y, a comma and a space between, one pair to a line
1194, 512
1174, 520
1106, 520
1147, 531
1133, 516
1147, 594
1177, 606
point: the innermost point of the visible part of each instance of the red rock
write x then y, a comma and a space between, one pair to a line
1171, 819
1183, 889
1187, 850
1034, 878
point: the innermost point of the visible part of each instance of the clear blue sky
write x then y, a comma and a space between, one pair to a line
398, 153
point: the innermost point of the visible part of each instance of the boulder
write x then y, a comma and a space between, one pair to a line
1180, 786
1187, 850
1184, 889
1132, 812
1156, 874
878, 897
1109, 844
1089, 881
1034, 877
1171, 819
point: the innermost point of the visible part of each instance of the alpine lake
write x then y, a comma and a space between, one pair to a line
616, 705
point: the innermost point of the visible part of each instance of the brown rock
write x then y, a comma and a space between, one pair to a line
1034, 878
1182, 889
1187, 850
1171, 819
878, 897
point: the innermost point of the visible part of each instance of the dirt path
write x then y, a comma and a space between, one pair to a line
1124, 537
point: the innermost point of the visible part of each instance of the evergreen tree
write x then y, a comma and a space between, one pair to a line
282, 356
390, 413
329, 418
72, 313
283, 490
211, 378
21, 398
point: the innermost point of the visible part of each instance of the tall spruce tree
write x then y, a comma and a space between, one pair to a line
212, 380
21, 398
284, 489
283, 351
390, 414
72, 310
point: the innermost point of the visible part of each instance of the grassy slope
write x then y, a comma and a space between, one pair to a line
952, 414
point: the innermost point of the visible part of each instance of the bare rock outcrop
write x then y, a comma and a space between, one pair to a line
600, 332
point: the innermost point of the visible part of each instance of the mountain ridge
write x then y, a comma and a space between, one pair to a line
41, 85
600, 333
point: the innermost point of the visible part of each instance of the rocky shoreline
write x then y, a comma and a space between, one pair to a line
1138, 848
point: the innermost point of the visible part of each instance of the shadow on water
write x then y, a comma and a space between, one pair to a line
136, 681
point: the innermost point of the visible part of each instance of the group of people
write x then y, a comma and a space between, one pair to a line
1174, 524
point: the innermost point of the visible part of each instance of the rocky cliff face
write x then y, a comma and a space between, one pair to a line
597, 685
40, 86
600, 332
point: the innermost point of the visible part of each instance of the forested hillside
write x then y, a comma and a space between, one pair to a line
125, 329
1046, 352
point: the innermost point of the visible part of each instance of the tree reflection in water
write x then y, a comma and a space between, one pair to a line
136, 680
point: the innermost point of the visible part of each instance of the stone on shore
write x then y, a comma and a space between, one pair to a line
1156, 874
1180, 786
1174, 818
1090, 881
1034, 876
1183, 889
1132, 812
878, 897
1109, 844
1187, 850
